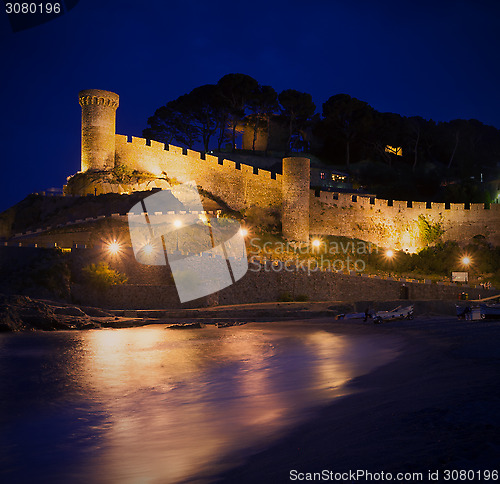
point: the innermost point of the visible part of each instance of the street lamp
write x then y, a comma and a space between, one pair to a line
466, 260
243, 232
316, 243
114, 247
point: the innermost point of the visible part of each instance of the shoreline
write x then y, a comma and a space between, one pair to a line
23, 313
435, 407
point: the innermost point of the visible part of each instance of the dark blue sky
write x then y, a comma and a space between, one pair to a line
436, 59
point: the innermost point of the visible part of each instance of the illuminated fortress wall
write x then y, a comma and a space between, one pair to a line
241, 186
398, 226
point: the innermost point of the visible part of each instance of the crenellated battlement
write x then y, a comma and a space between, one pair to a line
237, 184
98, 97
401, 224
145, 147
394, 223
347, 199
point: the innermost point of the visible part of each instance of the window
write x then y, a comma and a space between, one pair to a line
336, 177
395, 150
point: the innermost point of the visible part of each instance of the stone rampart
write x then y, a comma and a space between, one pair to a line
396, 223
151, 287
239, 185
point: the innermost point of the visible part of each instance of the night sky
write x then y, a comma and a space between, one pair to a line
436, 59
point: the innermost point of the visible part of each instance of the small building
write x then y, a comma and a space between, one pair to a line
326, 177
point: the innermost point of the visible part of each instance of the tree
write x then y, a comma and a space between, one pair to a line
297, 108
263, 103
416, 129
171, 125
188, 118
349, 116
452, 130
204, 105
236, 90
462, 145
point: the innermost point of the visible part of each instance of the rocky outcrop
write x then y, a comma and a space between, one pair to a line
21, 313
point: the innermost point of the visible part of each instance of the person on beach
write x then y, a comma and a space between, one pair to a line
468, 313
367, 315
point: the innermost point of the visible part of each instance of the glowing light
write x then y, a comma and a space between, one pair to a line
243, 232
466, 260
316, 243
148, 249
395, 150
177, 223
389, 254
203, 218
114, 247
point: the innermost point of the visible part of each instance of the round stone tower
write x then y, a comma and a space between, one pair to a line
98, 128
295, 214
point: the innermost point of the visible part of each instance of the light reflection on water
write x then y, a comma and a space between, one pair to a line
149, 405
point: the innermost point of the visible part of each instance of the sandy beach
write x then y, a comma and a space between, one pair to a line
435, 408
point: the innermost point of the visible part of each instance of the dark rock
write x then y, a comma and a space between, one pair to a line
69, 311
20, 313
95, 312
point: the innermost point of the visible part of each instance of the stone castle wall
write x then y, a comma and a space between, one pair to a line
239, 185
397, 225
151, 287
383, 222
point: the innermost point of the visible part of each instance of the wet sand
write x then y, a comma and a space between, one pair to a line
436, 407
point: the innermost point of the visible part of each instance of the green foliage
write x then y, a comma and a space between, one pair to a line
53, 275
263, 219
429, 232
285, 297
102, 276
44, 273
121, 174
443, 258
